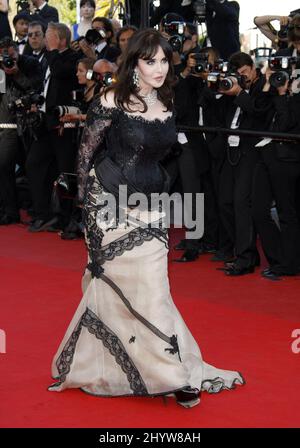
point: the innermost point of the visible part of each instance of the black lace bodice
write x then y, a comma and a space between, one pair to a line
136, 145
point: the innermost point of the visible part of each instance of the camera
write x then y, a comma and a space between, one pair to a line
202, 64
93, 37
74, 108
60, 111
24, 103
176, 31
7, 61
200, 10
27, 120
220, 66
282, 67
225, 80
106, 79
283, 32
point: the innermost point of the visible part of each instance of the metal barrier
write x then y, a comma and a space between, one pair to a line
201, 129
250, 133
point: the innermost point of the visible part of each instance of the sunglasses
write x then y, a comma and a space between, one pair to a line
35, 34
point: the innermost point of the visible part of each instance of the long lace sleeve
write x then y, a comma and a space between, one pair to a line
98, 119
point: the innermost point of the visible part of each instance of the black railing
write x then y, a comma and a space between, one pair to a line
267, 134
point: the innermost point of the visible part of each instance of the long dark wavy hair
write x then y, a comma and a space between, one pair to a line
143, 44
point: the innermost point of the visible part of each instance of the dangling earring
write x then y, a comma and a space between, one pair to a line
135, 78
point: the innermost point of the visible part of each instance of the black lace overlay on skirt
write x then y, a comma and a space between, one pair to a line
94, 234
110, 341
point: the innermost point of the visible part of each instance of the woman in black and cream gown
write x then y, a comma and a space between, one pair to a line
127, 336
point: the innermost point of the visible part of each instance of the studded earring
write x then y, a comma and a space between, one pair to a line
135, 78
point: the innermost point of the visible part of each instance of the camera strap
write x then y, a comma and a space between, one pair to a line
46, 86
234, 140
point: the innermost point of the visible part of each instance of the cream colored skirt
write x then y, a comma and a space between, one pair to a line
127, 336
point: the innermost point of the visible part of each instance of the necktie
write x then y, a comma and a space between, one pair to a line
21, 42
37, 10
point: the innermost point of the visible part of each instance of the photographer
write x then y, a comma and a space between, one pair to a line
276, 178
97, 41
222, 22
279, 38
55, 150
195, 162
105, 49
22, 75
293, 36
241, 107
173, 28
94, 76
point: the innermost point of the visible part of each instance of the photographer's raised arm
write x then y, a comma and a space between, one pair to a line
265, 26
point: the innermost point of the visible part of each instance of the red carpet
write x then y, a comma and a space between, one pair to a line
243, 323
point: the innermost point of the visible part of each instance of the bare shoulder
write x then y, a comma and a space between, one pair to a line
108, 99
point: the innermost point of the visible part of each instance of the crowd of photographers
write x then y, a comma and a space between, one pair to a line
251, 183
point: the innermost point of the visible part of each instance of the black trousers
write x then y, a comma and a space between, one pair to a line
235, 191
50, 155
8, 160
194, 181
277, 180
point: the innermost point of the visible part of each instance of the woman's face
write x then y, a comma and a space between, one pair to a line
87, 11
153, 72
81, 73
123, 40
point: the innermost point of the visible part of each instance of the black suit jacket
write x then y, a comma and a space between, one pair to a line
187, 92
222, 21
41, 58
46, 15
63, 81
27, 50
110, 53
257, 114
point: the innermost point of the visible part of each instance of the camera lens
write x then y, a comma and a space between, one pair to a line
278, 79
226, 84
176, 43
